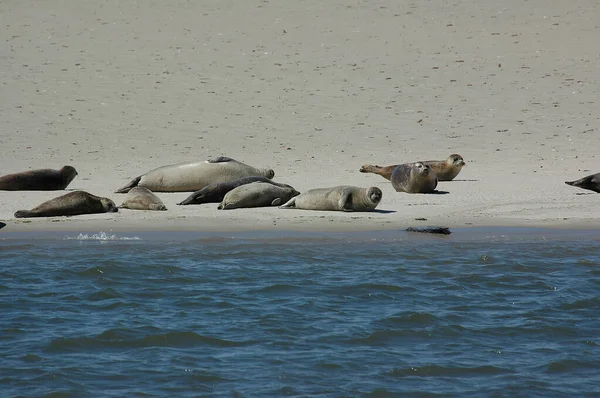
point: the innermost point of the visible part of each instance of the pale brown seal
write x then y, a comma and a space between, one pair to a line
185, 177
446, 170
257, 194
38, 180
70, 204
414, 178
140, 198
339, 198
591, 182
214, 193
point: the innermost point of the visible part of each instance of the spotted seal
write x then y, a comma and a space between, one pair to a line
257, 194
338, 198
38, 180
140, 198
446, 170
70, 204
591, 182
186, 177
414, 178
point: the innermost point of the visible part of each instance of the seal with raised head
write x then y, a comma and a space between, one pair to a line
591, 182
140, 198
339, 198
257, 194
446, 170
414, 178
214, 193
38, 180
185, 177
70, 204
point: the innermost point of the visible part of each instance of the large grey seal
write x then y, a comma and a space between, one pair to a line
591, 182
185, 177
140, 198
446, 170
339, 198
214, 193
414, 178
38, 180
70, 204
257, 194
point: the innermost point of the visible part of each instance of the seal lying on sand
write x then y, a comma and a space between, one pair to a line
446, 170
340, 198
414, 178
70, 204
140, 198
214, 193
38, 180
257, 194
186, 177
591, 182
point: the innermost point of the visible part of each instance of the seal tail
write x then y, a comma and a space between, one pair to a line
23, 214
132, 184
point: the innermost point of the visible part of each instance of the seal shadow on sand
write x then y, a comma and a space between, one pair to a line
382, 211
459, 180
436, 192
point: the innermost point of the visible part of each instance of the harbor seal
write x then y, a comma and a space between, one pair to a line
339, 198
214, 193
591, 182
414, 178
140, 198
70, 204
257, 194
38, 180
446, 170
186, 177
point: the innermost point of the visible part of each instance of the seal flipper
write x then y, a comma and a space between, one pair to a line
192, 199
589, 182
345, 202
290, 204
220, 159
276, 202
23, 214
133, 183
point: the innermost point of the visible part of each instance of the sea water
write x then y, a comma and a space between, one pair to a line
486, 312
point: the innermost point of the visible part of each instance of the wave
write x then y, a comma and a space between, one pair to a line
101, 236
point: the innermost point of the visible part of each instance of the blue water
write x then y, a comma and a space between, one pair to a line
477, 313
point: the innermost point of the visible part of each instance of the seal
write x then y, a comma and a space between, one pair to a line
189, 177
140, 198
257, 194
414, 178
38, 180
591, 182
446, 170
214, 193
339, 198
70, 204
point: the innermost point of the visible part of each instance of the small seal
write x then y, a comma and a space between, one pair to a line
446, 170
186, 177
414, 178
214, 193
339, 198
70, 204
591, 182
38, 180
257, 194
140, 198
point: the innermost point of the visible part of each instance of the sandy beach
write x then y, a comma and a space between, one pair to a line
313, 90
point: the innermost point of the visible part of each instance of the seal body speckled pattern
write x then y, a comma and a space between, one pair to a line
70, 204
414, 178
185, 177
338, 198
214, 193
257, 194
591, 182
140, 198
38, 180
446, 170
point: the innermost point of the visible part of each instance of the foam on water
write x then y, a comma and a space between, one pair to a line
101, 236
